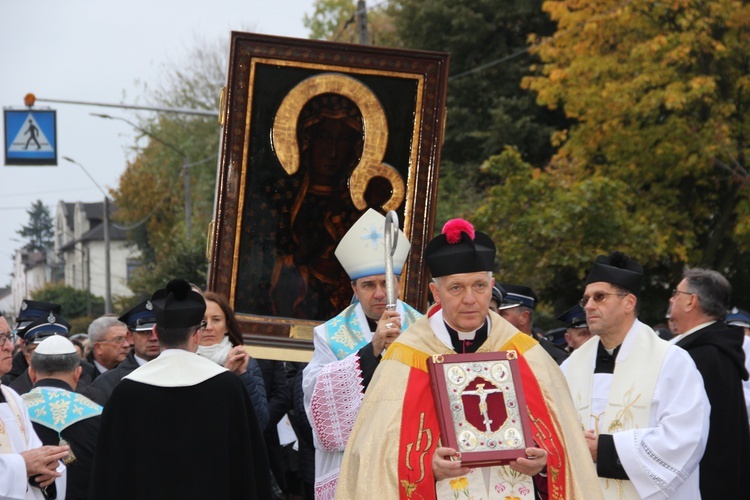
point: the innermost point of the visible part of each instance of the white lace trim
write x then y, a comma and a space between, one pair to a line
335, 403
325, 487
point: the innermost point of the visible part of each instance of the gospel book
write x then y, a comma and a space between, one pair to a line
481, 407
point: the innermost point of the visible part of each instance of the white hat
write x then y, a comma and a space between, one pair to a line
361, 251
55, 344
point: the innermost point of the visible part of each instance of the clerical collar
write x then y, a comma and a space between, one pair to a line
605, 362
467, 342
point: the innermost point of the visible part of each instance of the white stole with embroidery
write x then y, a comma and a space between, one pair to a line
622, 401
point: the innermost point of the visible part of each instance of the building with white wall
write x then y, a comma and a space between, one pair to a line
80, 249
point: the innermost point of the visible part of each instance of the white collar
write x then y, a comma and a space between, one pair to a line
176, 368
692, 330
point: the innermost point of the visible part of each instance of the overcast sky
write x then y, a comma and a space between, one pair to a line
97, 51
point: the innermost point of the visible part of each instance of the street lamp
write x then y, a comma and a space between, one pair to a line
107, 273
185, 164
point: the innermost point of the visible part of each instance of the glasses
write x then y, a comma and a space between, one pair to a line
203, 325
598, 297
7, 337
117, 340
676, 291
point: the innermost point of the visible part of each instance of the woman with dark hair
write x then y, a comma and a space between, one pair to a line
221, 342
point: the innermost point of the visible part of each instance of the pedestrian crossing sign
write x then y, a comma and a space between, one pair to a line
30, 137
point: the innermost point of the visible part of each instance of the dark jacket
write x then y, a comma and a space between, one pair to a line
17, 368
107, 381
555, 351
81, 436
279, 403
717, 352
256, 389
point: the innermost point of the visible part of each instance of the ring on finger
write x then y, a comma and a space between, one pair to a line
389, 325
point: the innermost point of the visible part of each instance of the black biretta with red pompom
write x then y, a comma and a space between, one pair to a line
178, 306
459, 249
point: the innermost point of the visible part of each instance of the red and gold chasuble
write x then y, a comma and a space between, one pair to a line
420, 431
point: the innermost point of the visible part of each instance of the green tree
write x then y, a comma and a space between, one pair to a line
658, 94
40, 230
74, 305
487, 110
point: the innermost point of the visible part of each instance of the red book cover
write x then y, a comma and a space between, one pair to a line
481, 407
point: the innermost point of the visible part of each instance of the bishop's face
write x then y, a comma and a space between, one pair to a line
370, 292
465, 299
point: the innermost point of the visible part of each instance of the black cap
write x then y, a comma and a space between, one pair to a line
140, 318
617, 269
459, 249
557, 336
575, 317
31, 310
41, 328
497, 293
517, 295
178, 306
738, 317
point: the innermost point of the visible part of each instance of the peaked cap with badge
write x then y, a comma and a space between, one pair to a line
361, 251
140, 318
44, 327
459, 249
517, 295
32, 310
617, 269
575, 317
738, 317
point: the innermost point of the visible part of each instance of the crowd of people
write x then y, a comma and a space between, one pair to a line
164, 401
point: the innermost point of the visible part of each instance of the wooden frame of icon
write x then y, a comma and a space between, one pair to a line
314, 133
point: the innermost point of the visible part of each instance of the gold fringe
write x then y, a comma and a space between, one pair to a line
408, 356
520, 342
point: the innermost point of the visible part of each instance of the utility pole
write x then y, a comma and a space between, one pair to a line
107, 267
364, 37
107, 263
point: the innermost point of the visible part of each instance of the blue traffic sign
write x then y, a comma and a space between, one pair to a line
30, 137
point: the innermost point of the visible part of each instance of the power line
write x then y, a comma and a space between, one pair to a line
160, 200
521, 52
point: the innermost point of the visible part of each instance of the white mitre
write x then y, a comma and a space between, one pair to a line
361, 251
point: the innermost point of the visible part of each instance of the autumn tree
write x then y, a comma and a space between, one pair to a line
657, 94
152, 190
39, 231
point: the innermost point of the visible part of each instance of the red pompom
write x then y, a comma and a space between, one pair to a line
453, 229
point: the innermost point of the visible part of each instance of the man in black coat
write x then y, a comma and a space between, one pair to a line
61, 416
140, 321
180, 426
516, 305
699, 304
